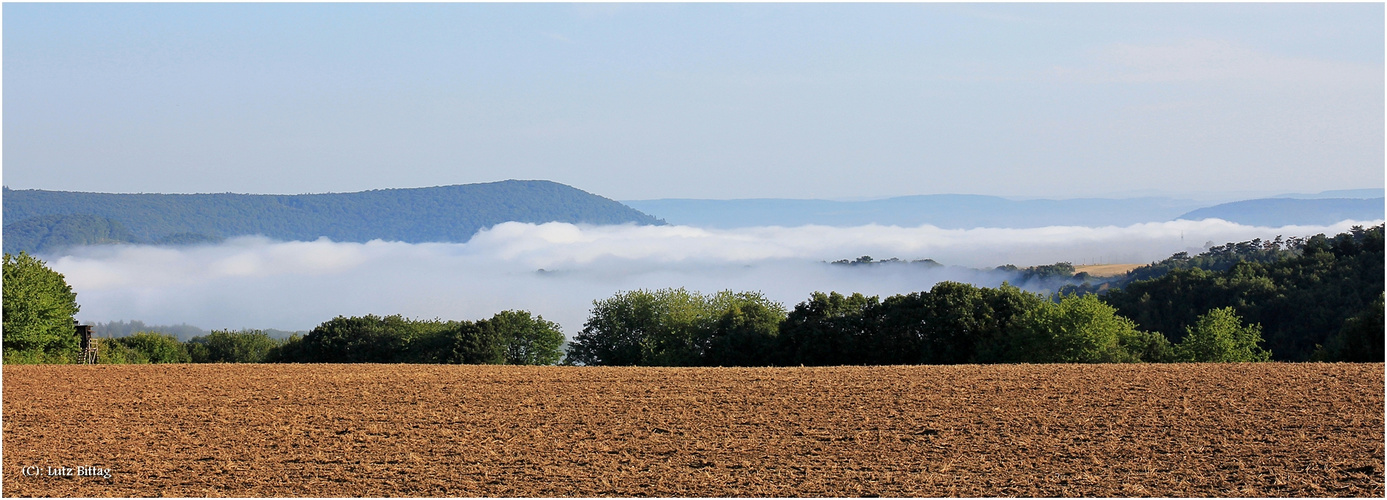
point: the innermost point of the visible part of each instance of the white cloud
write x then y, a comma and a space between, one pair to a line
258, 283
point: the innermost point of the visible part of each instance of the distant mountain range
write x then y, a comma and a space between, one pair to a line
1359, 194
37, 220
1284, 211
42, 221
949, 211
969, 211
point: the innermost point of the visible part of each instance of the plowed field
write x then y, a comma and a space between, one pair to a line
1254, 430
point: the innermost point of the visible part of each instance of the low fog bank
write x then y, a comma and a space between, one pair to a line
557, 269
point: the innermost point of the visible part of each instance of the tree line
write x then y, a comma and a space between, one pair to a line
952, 323
509, 337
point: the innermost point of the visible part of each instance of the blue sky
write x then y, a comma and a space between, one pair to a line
640, 101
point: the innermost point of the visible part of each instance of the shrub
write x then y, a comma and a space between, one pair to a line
35, 357
1219, 336
153, 347
225, 346
112, 352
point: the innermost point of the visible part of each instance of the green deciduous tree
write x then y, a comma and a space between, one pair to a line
620, 330
669, 327
1219, 336
526, 339
472, 344
365, 339
745, 334
951, 323
508, 337
38, 310
827, 329
1078, 329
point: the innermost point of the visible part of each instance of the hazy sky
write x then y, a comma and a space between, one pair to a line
697, 100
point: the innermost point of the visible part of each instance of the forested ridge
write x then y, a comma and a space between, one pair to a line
37, 220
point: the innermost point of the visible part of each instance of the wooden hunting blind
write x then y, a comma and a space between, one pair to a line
84, 332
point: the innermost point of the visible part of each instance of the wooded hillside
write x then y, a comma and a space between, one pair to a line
37, 220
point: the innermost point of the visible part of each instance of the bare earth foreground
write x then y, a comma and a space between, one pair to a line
1247, 430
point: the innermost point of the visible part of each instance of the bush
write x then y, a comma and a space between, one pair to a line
153, 347
1219, 336
225, 346
33, 357
111, 352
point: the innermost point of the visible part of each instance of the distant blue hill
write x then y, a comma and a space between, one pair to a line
1285, 211
1361, 194
946, 211
37, 220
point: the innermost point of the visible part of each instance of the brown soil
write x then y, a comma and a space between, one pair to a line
1106, 270
1247, 430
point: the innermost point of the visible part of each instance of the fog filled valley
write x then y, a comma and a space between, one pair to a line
557, 270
